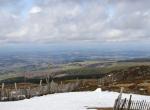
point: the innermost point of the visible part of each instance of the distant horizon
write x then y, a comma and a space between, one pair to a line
137, 45
79, 50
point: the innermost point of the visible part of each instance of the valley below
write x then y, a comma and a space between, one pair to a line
25, 74
133, 75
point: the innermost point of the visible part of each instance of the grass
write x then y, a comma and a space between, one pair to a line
78, 68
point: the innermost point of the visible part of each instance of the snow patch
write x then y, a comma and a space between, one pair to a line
98, 90
69, 101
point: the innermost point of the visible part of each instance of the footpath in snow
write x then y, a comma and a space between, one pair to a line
68, 101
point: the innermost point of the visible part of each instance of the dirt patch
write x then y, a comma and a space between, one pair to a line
97, 108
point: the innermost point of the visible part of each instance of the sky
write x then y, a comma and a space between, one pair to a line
48, 21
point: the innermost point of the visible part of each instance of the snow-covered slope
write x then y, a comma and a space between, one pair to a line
68, 101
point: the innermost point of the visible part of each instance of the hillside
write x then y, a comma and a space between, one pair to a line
133, 76
131, 73
134, 79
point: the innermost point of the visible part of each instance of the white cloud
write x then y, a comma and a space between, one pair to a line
114, 34
35, 10
18, 33
68, 20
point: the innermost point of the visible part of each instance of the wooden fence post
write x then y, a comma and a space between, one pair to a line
41, 89
2, 92
48, 85
123, 104
129, 103
15, 86
117, 102
40, 83
29, 92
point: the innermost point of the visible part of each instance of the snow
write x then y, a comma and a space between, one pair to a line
69, 101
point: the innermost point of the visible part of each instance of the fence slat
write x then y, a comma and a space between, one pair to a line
125, 104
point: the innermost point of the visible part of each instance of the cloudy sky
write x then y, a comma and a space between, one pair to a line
45, 21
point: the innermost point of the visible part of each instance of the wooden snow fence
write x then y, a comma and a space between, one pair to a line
129, 104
